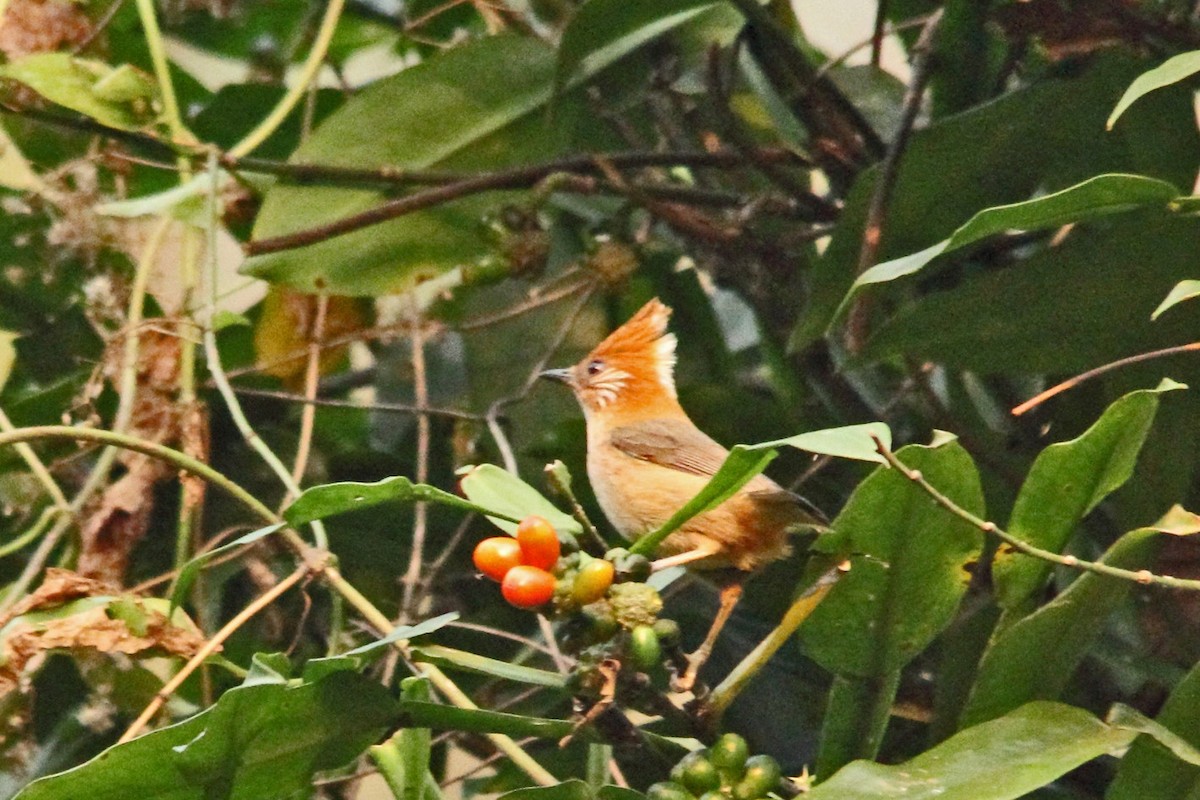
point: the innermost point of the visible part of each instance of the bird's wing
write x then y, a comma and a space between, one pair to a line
679, 445
671, 443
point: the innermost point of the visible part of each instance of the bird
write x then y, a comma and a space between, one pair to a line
646, 459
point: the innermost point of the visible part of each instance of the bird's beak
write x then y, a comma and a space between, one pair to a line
559, 375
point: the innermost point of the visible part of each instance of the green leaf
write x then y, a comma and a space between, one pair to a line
909, 570
261, 741
1184, 290
567, 790
1104, 194
1171, 71
449, 657
187, 575
472, 107
508, 499
90, 87
405, 632
602, 31
1149, 770
1035, 657
747, 460
473, 720
1066, 481
999, 760
331, 499
1122, 716
1116, 273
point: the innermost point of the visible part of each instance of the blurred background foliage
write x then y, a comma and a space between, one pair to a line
519, 177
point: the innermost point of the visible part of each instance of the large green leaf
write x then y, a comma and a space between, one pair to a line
331, 499
1067, 308
998, 760
1035, 657
1066, 481
910, 568
258, 742
1173, 70
1104, 194
476, 106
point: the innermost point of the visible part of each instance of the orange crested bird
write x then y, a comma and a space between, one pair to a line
646, 458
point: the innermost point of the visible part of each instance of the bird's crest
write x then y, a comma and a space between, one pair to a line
642, 347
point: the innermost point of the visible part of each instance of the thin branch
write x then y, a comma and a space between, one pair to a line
881, 11
1142, 576
490, 182
213, 357
1071, 383
522, 177
416, 557
392, 408
856, 324
210, 647
308, 73
493, 412
312, 372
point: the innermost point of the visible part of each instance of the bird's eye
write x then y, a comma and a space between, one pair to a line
595, 367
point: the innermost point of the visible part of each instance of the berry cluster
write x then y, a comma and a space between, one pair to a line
523, 564
725, 771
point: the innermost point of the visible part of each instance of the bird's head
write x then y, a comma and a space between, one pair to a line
630, 372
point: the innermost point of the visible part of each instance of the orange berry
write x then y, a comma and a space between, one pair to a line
494, 557
592, 581
526, 586
539, 543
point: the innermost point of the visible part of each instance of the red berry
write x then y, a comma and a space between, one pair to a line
494, 557
539, 543
527, 587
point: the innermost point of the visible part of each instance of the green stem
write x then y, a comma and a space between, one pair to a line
158, 57
308, 73
37, 468
33, 533
750, 666
221, 380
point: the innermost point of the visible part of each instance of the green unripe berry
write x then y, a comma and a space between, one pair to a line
761, 776
644, 647
668, 790
696, 773
729, 755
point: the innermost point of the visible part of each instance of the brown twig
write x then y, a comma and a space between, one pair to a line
889, 171
209, 648
412, 578
493, 412
521, 177
312, 372
1142, 576
1071, 383
881, 11
393, 408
